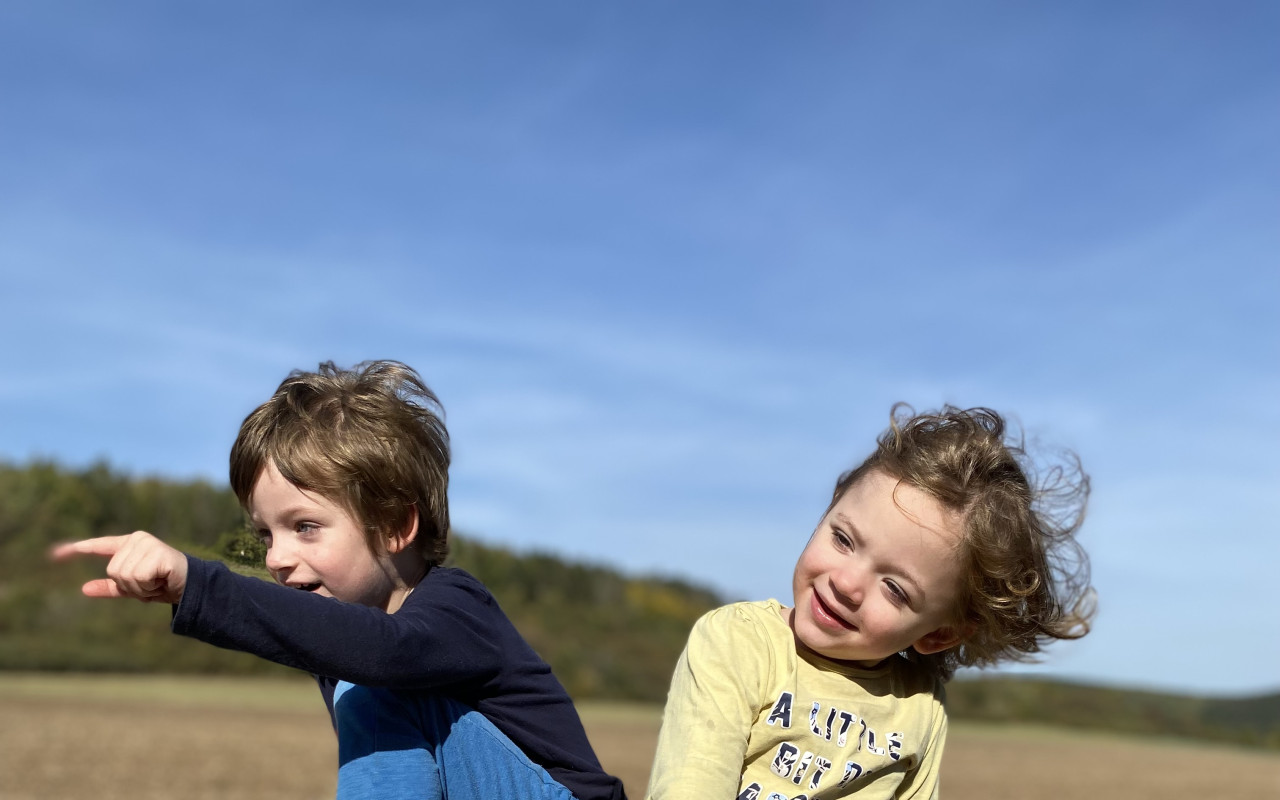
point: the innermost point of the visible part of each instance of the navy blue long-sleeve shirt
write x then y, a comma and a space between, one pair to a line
449, 638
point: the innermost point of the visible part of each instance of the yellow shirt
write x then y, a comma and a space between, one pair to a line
751, 717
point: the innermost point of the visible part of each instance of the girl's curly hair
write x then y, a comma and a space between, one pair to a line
1026, 578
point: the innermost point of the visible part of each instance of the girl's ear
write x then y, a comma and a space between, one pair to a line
941, 639
400, 542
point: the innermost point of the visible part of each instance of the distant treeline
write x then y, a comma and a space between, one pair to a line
605, 634
1253, 721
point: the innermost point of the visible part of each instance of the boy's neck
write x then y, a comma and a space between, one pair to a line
410, 572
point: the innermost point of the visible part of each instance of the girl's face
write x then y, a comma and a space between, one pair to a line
880, 575
313, 544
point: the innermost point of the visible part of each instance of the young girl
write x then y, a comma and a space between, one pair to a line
936, 552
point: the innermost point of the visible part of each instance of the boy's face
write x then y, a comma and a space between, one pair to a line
878, 576
313, 544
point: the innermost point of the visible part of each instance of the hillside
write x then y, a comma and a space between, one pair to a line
607, 635
1253, 721
604, 633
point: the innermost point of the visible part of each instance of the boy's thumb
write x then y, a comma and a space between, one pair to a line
102, 587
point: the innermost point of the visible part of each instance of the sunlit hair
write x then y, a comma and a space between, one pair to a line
1025, 577
370, 438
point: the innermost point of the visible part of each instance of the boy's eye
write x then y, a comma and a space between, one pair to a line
306, 527
841, 540
263, 536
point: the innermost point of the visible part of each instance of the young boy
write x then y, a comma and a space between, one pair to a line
432, 692
935, 553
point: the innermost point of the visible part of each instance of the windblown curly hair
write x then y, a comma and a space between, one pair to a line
1026, 578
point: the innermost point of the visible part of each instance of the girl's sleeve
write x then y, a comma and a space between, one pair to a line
449, 633
922, 782
714, 701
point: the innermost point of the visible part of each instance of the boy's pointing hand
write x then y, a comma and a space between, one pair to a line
141, 566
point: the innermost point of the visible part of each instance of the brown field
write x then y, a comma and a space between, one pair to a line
241, 739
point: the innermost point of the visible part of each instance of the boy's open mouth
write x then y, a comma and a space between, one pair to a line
308, 587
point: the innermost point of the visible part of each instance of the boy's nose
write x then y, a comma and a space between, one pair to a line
279, 555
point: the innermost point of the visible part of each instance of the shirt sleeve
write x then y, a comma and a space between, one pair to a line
922, 782
715, 697
444, 634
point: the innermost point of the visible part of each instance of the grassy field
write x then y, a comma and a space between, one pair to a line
147, 738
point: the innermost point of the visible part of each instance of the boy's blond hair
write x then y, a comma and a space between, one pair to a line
371, 438
1026, 578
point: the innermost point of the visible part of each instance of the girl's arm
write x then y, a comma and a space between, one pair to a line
715, 698
922, 782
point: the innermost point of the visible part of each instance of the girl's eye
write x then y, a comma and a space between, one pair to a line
263, 536
306, 527
896, 594
842, 541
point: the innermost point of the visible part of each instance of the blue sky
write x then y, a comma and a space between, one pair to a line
669, 267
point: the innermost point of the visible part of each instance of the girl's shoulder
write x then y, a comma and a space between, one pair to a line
745, 624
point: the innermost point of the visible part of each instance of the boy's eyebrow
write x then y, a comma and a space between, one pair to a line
288, 511
893, 567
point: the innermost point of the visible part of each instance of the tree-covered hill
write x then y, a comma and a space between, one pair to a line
1253, 721
605, 634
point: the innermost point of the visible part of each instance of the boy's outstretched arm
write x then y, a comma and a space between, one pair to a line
141, 567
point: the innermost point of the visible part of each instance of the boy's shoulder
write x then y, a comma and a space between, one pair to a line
453, 576
450, 586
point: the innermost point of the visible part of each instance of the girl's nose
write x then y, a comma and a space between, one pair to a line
849, 585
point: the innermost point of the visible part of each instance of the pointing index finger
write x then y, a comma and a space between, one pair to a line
101, 546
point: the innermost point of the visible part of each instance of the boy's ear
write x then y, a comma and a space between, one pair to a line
941, 639
399, 542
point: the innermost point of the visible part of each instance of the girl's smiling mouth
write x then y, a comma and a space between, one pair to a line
825, 616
